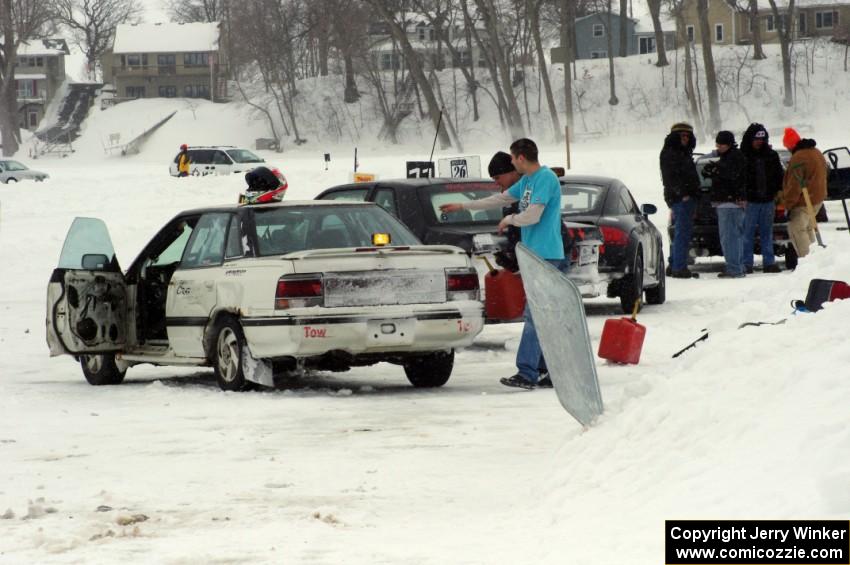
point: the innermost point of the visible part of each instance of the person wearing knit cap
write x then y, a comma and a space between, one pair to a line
681, 191
806, 169
763, 179
503, 172
728, 197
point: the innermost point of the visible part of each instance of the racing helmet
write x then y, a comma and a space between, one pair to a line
184, 147
264, 185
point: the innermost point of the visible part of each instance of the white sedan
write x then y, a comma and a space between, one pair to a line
14, 171
255, 290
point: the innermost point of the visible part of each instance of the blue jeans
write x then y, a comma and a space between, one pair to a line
730, 223
529, 356
759, 216
683, 220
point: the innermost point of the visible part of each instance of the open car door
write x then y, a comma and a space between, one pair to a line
86, 296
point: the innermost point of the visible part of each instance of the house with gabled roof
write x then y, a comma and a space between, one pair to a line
167, 60
39, 74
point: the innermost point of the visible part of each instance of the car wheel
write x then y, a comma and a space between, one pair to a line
658, 293
101, 369
227, 355
11, 180
430, 371
631, 286
790, 257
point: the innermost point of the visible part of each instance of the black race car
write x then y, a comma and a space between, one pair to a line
705, 240
631, 261
596, 210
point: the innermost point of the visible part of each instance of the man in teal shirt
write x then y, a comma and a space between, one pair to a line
539, 219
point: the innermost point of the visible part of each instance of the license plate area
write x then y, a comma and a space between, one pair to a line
390, 332
588, 255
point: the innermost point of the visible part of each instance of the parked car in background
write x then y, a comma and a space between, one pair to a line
218, 160
705, 241
256, 289
589, 229
14, 171
631, 259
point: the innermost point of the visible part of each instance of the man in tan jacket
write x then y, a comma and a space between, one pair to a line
807, 169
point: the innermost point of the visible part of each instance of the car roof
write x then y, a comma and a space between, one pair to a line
287, 204
589, 179
213, 147
415, 182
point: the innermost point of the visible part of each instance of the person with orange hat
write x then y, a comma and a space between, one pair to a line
807, 170
183, 161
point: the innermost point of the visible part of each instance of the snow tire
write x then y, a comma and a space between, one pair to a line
101, 369
228, 343
431, 370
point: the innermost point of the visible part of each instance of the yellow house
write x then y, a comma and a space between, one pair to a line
730, 24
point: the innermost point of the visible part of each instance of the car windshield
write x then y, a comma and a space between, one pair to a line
704, 183
244, 156
579, 199
448, 193
13, 166
286, 229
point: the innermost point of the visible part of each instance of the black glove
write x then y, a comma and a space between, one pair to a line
709, 170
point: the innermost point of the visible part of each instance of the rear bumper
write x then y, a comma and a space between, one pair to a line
396, 330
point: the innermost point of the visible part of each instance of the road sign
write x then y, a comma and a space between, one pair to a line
460, 167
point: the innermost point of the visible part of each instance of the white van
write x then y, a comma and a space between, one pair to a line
218, 160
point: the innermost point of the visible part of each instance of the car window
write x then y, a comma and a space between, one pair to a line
440, 194
14, 166
579, 199
220, 158
350, 195
625, 205
244, 156
87, 236
234, 247
174, 250
283, 230
385, 198
206, 246
200, 156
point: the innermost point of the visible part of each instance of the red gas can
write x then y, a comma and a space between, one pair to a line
622, 340
504, 297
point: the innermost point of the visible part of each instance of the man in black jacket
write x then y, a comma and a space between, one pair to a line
763, 177
503, 172
681, 191
729, 199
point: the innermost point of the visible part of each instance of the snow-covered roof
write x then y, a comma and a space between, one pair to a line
166, 38
764, 5
43, 47
36, 76
418, 45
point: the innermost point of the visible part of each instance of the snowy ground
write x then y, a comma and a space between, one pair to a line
361, 468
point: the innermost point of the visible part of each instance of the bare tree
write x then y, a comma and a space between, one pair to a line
624, 28
534, 17
187, 11
92, 24
755, 25
660, 47
677, 10
612, 100
20, 20
708, 60
415, 66
783, 30
497, 50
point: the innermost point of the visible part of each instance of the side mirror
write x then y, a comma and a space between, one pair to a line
648, 209
95, 262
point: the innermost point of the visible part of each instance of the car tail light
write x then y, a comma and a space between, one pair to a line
462, 284
613, 236
298, 291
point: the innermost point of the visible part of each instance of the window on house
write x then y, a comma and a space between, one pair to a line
646, 45
39, 61
801, 23
135, 91
196, 59
390, 61
137, 60
196, 91
598, 54
718, 33
690, 33
168, 91
770, 24
26, 88
598, 30
165, 60
826, 20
